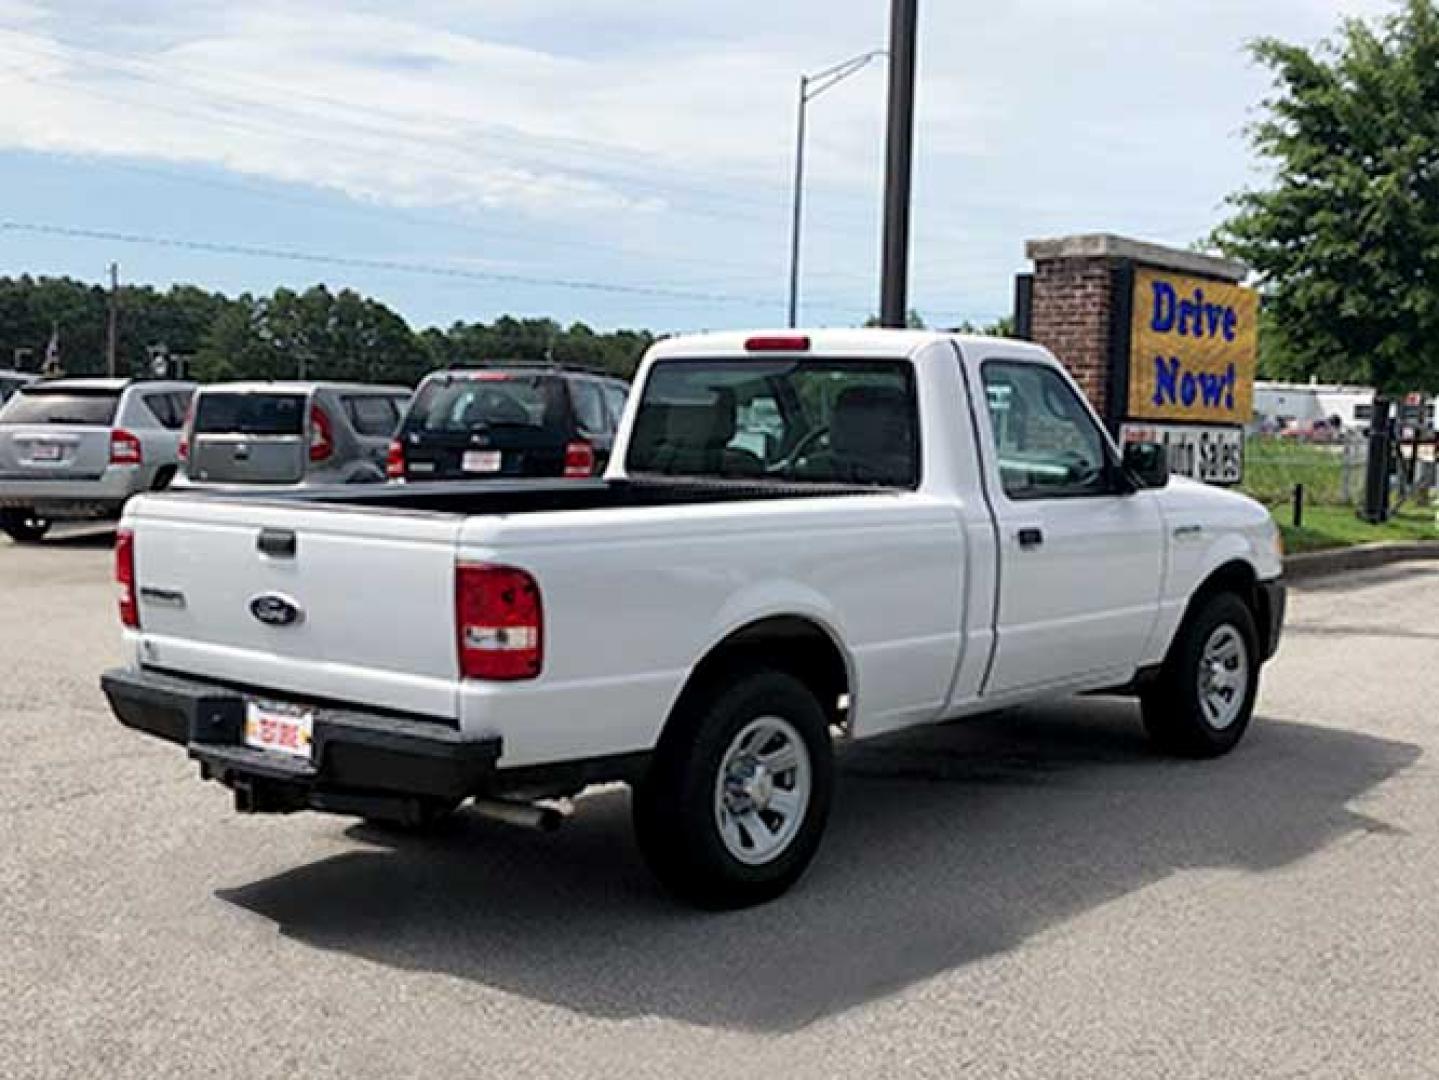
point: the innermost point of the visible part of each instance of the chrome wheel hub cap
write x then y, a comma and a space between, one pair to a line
1223, 677
762, 791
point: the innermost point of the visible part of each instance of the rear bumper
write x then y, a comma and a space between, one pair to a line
1273, 602
93, 496
359, 761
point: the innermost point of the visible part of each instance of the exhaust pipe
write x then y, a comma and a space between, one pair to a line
542, 817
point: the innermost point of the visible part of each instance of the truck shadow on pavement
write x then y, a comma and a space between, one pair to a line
946, 846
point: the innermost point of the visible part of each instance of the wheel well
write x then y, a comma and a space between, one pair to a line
1238, 578
163, 476
790, 644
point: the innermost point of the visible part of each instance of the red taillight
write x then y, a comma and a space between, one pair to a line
125, 578
395, 460
778, 343
322, 439
579, 460
185, 429
500, 623
125, 448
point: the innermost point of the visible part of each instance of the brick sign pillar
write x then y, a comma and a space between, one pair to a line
1158, 338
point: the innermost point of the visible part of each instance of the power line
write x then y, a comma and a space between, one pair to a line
388, 265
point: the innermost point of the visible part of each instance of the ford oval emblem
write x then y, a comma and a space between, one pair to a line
272, 609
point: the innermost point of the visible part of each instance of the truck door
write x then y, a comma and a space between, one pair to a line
1081, 554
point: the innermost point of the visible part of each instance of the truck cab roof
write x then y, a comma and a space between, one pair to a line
827, 344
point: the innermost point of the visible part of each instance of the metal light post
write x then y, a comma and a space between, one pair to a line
811, 87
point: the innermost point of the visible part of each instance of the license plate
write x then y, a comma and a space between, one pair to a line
285, 731
45, 452
482, 461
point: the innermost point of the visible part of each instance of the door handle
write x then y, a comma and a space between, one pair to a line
1031, 538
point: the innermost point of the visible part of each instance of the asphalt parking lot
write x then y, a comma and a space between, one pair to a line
1034, 895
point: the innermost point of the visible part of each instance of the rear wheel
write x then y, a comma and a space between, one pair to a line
735, 801
24, 526
1201, 705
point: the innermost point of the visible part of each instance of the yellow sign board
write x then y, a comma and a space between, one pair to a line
1194, 346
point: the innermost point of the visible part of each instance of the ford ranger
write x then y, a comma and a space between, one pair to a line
800, 540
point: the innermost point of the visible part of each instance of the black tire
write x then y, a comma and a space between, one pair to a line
1173, 706
164, 478
24, 526
674, 805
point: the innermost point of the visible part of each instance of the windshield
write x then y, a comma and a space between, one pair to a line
44, 405
250, 414
460, 404
810, 421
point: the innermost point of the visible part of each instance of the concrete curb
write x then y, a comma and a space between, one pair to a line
1320, 564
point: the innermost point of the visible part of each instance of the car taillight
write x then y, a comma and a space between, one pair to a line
322, 440
500, 622
125, 578
395, 460
125, 449
579, 459
185, 429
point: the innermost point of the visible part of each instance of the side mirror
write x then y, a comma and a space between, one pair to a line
1147, 463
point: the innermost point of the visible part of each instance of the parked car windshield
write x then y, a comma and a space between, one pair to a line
250, 414
472, 401
810, 421
57, 405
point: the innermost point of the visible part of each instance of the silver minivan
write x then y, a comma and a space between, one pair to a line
77, 449
290, 433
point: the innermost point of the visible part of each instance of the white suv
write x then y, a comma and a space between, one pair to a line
77, 449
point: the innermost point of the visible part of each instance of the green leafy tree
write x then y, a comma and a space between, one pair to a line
1345, 236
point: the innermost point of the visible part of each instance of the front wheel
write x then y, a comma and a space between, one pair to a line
1202, 702
24, 526
735, 801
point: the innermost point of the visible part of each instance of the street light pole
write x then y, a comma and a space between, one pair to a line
899, 165
811, 87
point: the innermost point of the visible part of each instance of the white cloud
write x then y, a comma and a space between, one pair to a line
673, 123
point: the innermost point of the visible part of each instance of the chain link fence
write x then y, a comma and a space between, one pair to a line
1331, 473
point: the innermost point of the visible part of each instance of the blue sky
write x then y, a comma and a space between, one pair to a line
623, 163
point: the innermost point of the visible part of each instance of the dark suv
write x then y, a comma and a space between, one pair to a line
508, 421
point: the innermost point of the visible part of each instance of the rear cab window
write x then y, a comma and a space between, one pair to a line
821, 421
468, 402
252, 414
62, 406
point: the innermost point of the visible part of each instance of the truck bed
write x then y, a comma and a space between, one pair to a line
485, 497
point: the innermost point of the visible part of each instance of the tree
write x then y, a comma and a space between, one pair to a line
1345, 237
315, 334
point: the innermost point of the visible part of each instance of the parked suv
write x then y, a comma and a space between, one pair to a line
79, 448
290, 433
509, 420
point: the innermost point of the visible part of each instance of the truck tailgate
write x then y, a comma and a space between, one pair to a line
366, 599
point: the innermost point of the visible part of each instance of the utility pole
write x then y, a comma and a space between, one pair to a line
899, 164
112, 331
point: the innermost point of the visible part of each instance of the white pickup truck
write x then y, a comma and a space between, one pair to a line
801, 540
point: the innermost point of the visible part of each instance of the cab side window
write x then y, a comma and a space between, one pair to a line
1047, 443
